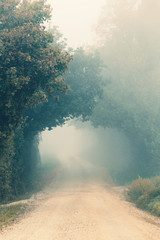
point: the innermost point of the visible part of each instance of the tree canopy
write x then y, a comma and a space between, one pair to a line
33, 93
31, 68
84, 79
31, 71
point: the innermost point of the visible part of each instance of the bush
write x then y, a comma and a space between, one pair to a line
148, 200
145, 193
156, 209
138, 188
156, 181
143, 201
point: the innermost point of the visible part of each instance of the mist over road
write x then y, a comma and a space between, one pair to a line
79, 205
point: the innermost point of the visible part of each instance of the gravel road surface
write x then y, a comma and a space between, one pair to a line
79, 207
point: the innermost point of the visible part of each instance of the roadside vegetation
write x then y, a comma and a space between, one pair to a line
145, 193
10, 214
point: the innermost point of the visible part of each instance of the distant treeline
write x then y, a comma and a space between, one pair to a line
129, 37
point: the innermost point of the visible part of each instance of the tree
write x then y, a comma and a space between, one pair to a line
31, 69
130, 43
84, 79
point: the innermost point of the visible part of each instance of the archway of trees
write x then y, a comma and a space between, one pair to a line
34, 95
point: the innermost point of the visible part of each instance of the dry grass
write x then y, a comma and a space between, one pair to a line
10, 214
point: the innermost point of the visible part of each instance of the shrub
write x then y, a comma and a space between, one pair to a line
156, 181
145, 193
156, 209
138, 188
148, 200
153, 202
143, 201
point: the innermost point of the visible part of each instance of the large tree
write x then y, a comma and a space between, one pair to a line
84, 79
30, 66
31, 70
33, 93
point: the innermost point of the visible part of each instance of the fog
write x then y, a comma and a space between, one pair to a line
125, 138
129, 43
131, 51
78, 145
76, 19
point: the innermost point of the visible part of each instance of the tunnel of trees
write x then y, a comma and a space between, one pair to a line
42, 84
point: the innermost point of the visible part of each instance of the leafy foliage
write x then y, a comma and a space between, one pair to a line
33, 93
145, 193
85, 81
30, 67
138, 188
31, 71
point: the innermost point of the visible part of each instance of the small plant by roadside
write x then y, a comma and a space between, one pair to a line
145, 193
9, 214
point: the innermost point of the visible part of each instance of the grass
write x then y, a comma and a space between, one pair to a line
9, 214
145, 193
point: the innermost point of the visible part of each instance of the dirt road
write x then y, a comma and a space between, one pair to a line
83, 209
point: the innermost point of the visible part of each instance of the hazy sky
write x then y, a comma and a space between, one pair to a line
76, 19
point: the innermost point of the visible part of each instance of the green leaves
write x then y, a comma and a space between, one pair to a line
31, 68
29, 64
